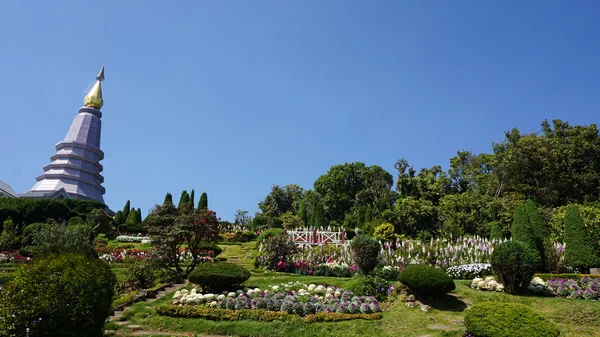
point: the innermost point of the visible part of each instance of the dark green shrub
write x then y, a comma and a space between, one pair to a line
141, 273
579, 249
365, 253
507, 320
522, 231
269, 232
496, 231
72, 294
276, 252
426, 280
9, 239
248, 236
58, 239
219, 276
216, 250
369, 286
513, 264
29, 231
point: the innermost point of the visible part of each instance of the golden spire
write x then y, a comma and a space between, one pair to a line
94, 97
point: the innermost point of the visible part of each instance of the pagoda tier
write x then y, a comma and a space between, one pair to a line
74, 171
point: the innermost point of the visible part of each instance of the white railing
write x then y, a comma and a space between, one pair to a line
314, 237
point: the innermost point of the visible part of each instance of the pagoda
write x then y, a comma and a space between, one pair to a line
74, 171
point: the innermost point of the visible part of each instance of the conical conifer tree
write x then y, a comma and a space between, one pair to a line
304, 215
168, 201
138, 215
319, 216
119, 219
203, 203
496, 231
539, 229
192, 196
184, 199
521, 230
126, 210
579, 250
132, 217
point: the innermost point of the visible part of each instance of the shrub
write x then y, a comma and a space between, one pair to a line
9, 239
365, 253
277, 249
579, 250
426, 280
269, 232
496, 231
141, 273
513, 264
72, 293
219, 276
58, 239
370, 286
248, 236
507, 320
384, 232
522, 231
216, 250
29, 231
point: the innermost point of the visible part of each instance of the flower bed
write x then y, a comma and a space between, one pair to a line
305, 301
13, 257
470, 271
129, 238
118, 255
585, 289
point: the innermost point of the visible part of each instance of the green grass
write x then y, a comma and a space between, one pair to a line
242, 254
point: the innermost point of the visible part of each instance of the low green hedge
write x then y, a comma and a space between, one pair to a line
215, 314
426, 280
494, 319
219, 276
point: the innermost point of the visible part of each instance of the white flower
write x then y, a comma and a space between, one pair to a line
231, 294
275, 288
221, 297
213, 304
256, 290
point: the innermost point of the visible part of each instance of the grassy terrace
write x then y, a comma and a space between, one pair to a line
575, 318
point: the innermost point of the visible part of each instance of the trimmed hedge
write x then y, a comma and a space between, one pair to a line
493, 319
216, 314
24, 211
219, 276
514, 264
579, 248
426, 280
365, 253
72, 293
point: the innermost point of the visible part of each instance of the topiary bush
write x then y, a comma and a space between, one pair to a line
426, 280
513, 264
218, 276
579, 248
268, 233
385, 232
216, 250
365, 253
507, 320
69, 295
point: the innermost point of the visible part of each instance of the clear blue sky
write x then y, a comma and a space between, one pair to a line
231, 97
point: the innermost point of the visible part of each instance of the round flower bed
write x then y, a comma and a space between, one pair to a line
308, 300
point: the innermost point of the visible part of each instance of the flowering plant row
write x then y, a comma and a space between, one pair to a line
117, 255
470, 271
129, 238
585, 289
13, 257
305, 301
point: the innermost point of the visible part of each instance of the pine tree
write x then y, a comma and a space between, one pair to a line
539, 229
126, 210
521, 229
138, 215
184, 199
304, 215
119, 219
579, 250
496, 231
203, 203
168, 203
319, 216
192, 203
132, 218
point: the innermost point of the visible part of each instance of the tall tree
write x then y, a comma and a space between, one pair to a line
138, 215
243, 218
184, 199
192, 196
539, 229
579, 249
319, 219
119, 219
126, 210
282, 200
203, 202
168, 202
132, 218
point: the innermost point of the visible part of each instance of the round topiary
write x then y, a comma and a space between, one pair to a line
513, 264
70, 295
219, 276
426, 280
365, 253
493, 319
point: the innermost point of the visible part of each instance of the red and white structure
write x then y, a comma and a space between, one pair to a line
304, 237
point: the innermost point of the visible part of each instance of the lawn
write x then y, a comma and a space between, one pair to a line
575, 318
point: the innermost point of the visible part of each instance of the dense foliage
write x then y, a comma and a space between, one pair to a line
219, 276
69, 295
426, 280
579, 250
365, 253
513, 264
276, 252
507, 320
